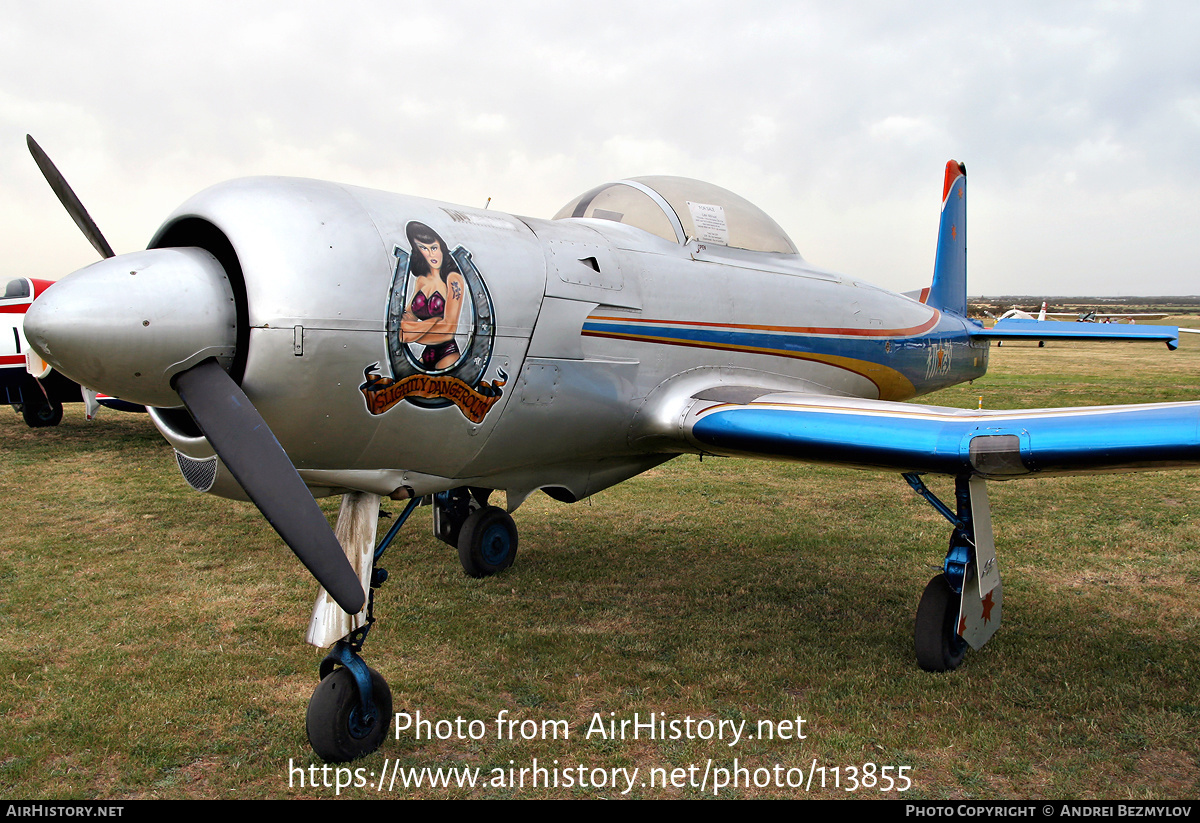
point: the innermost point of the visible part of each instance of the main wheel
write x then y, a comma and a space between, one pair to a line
487, 543
336, 728
939, 648
45, 413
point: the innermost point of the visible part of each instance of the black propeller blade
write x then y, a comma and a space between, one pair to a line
248, 448
243, 440
67, 197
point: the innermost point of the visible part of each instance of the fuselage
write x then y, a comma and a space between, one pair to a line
575, 332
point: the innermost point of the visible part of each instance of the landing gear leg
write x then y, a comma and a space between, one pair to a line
349, 713
450, 510
961, 606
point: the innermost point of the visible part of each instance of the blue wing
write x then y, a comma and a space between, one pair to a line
997, 445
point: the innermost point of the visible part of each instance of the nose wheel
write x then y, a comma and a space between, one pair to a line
346, 720
350, 711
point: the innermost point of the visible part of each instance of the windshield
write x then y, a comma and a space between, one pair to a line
16, 288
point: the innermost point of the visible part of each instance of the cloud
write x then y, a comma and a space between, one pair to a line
827, 115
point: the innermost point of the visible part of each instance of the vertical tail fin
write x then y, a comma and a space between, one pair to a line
949, 289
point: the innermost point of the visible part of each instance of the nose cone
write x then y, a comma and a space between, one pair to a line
126, 325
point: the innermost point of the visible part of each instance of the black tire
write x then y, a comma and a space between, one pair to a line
939, 648
334, 720
487, 543
40, 415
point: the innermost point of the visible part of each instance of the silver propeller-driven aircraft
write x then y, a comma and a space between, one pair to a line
458, 351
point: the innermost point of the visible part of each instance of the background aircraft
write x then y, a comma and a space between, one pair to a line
1083, 317
458, 351
37, 399
1020, 314
1107, 317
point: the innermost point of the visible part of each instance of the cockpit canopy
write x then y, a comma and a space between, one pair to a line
16, 288
679, 209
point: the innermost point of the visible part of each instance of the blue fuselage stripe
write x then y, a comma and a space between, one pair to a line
915, 357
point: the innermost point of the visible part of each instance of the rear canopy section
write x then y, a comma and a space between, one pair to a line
679, 209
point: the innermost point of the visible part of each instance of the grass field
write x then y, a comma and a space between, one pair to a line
151, 639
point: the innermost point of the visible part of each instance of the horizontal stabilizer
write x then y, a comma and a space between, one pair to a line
1015, 328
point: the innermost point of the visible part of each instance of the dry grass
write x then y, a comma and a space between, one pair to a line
151, 638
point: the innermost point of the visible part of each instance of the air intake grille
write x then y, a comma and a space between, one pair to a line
200, 474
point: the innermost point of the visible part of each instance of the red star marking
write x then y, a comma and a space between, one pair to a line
987, 607
962, 624
953, 232
960, 193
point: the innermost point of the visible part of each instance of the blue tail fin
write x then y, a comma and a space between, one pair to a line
949, 290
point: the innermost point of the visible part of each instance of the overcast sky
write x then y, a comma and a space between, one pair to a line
1079, 123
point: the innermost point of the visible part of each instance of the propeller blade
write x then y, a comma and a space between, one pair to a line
249, 449
67, 197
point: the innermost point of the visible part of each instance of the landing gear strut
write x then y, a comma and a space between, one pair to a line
960, 607
351, 709
450, 510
